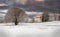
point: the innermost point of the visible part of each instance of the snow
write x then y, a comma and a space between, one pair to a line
27, 31
33, 24
23, 31
46, 29
4, 10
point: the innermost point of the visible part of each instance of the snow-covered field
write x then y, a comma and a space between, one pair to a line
32, 24
28, 31
47, 29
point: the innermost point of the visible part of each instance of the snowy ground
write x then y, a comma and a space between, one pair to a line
32, 24
47, 29
24, 31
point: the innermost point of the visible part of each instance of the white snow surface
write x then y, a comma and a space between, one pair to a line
29, 31
32, 24
46, 29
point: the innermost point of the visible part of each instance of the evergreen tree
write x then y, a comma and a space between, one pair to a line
45, 17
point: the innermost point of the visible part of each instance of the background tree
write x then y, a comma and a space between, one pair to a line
59, 16
14, 15
45, 17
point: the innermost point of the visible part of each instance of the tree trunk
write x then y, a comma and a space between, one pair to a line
16, 22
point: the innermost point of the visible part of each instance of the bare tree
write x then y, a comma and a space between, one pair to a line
14, 15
